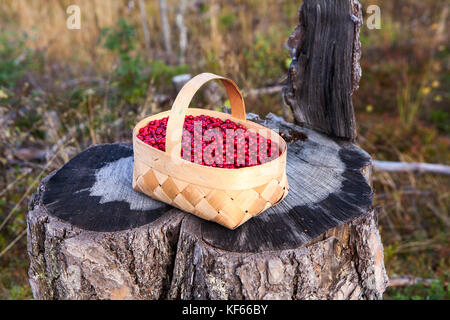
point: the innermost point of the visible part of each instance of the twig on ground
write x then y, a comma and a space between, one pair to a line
403, 281
421, 193
416, 246
261, 91
392, 166
83, 80
21, 234
441, 215
15, 181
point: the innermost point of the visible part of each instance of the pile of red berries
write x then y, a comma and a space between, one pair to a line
213, 142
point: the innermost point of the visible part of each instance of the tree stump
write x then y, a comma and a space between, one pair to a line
91, 236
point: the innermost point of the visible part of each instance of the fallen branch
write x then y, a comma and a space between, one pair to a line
21, 234
392, 166
267, 90
83, 80
403, 281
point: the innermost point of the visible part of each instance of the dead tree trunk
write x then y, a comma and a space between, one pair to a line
91, 236
145, 29
165, 28
325, 71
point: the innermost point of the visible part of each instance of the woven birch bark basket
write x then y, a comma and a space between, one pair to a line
229, 197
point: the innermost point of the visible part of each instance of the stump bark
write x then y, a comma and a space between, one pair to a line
91, 236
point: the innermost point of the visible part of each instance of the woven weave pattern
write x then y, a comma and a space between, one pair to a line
230, 208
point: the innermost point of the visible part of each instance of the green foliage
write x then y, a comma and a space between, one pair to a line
28, 123
266, 61
441, 119
287, 62
29, 119
130, 78
134, 73
436, 291
390, 251
13, 277
14, 58
19, 293
121, 39
162, 73
408, 104
227, 20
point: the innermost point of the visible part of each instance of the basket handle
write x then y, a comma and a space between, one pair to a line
181, 103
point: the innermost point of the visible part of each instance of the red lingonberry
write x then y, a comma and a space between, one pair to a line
245, 150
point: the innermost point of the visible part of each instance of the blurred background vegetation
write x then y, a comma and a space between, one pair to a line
62, 90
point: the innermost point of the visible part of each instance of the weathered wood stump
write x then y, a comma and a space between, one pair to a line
91, 236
